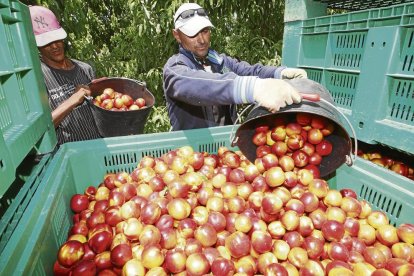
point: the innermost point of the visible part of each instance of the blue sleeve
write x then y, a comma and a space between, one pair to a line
243, 68
201, 88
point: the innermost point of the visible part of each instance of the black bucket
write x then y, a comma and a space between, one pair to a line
121, 123
259, 116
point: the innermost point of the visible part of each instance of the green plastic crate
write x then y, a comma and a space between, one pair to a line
360, 4
366, 60
25, 118
33, 246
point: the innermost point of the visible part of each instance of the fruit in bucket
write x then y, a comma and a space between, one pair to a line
298, 141
112, 100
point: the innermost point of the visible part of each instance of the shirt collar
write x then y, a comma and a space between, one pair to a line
212, 57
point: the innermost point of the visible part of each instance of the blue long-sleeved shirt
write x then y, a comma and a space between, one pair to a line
197, 98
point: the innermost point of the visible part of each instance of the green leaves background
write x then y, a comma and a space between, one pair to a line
132, 38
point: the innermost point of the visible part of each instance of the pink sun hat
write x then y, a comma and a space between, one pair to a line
46, 27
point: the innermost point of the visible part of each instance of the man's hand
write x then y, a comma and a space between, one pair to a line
293, 73
275, 94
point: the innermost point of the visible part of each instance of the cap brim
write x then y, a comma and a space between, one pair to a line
46, 38
194, 25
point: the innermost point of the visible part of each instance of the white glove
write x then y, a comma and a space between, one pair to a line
275, 94
293, 73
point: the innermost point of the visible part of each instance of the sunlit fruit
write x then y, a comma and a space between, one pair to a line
333, 230
70, 253
405, 232
79, 203
197, 264
238, 244
152, 256
120, 254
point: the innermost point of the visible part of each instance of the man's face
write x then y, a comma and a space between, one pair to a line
53, 52
198, 44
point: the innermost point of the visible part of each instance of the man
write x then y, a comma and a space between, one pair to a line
65, 79
203, 87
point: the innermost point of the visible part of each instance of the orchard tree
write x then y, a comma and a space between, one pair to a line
133, 39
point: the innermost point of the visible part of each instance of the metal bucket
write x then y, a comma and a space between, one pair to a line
340, 139
120, 123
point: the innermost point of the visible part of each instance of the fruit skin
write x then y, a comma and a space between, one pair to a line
197, 264
120, 254
70, 253
221, 266
238, 244
140, 102
333, 230
324, 148
79, 202
406, 232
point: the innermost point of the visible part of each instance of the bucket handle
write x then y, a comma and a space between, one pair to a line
233, 139
313, 97
89, 98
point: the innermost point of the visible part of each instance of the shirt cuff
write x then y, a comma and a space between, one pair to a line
278, 72
243, 89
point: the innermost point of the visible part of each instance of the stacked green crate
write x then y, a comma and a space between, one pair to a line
25, 118
25, 121
366, 60
360, 4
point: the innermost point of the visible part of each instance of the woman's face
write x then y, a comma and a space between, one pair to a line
198, 44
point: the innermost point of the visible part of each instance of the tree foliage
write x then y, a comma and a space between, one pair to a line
132, 38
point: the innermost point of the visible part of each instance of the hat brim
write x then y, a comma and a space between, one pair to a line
46, 38
194, 25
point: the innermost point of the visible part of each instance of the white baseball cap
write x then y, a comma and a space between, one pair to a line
194, 22
46, 27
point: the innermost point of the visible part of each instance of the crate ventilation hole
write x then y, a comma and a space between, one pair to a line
60, 222
155, 153
408, 64
359, 4
404, 93
121, 162
382, 202
315, 75
211, 148
339, 81
346, 45
5, 114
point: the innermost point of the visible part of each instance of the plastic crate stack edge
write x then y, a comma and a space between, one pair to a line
25, 121
360, 4
366, 60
